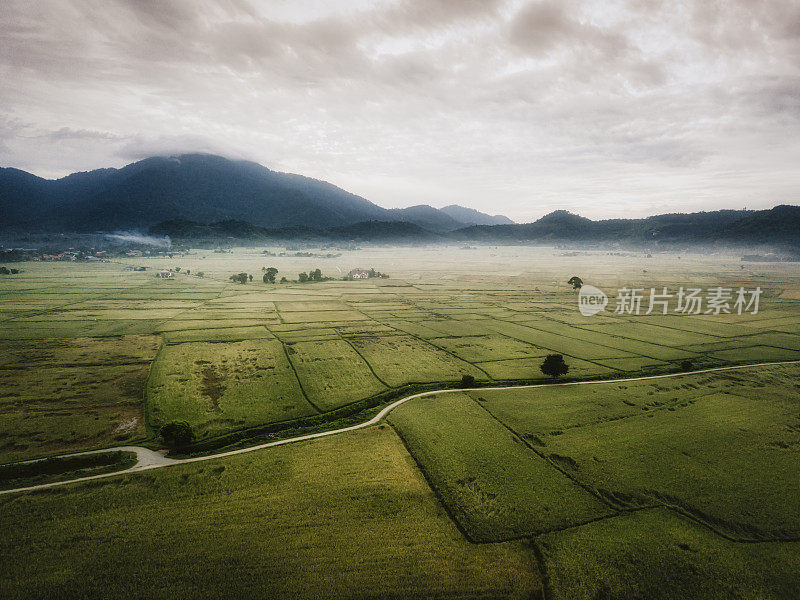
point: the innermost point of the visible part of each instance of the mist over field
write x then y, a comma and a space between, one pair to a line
139, 239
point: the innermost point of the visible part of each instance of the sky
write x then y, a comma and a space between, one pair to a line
606, 108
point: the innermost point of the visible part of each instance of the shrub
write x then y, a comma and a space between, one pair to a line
177, 433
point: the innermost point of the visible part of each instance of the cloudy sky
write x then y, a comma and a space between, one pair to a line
606, 108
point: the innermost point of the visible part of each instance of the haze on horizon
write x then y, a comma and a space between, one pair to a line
606, 108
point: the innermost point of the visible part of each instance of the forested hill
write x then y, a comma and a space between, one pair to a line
202, 188
779, 226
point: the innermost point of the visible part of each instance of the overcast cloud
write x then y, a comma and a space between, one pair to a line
606, 108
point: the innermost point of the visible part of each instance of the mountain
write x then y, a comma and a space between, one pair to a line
427, 217
197, 187
470, 216
779, 225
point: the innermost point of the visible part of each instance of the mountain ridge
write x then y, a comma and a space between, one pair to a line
200, 187
779, 226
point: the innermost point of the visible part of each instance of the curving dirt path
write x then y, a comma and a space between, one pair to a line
148, 459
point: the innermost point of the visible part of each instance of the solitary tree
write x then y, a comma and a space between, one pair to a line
250, 277
467, 381
576, 282
315, 275
269, 274
554, 366
302, 277
177, 433
284, 280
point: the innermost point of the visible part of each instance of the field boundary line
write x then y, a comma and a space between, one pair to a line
168, 462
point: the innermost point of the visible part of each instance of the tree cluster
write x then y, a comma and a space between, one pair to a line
269, 274
312, 276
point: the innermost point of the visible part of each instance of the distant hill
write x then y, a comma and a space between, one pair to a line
427, 217
470, 216
397, 232
779, 225
195, 187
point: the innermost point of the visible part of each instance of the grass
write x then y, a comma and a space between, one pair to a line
222, 334
721, 446
332, 373
727, 457
487, 348
344, 517
626, 489
71, 394
224, 386
398, 360
494, 486
670, 480
659, 555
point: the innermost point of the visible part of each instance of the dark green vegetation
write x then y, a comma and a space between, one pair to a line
348, 516
196, 187
778, 226
705, 465
176, 434
16, 475
554, 366
221, 232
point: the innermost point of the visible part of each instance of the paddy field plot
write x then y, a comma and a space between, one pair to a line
398, 360
332, 373
348, 516
71, 394
217, 387
722, 447
678, 487
659, 555
494, 486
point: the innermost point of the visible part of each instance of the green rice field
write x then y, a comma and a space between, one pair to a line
677, 487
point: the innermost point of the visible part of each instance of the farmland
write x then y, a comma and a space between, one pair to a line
503, 493
350, 516
234, 356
